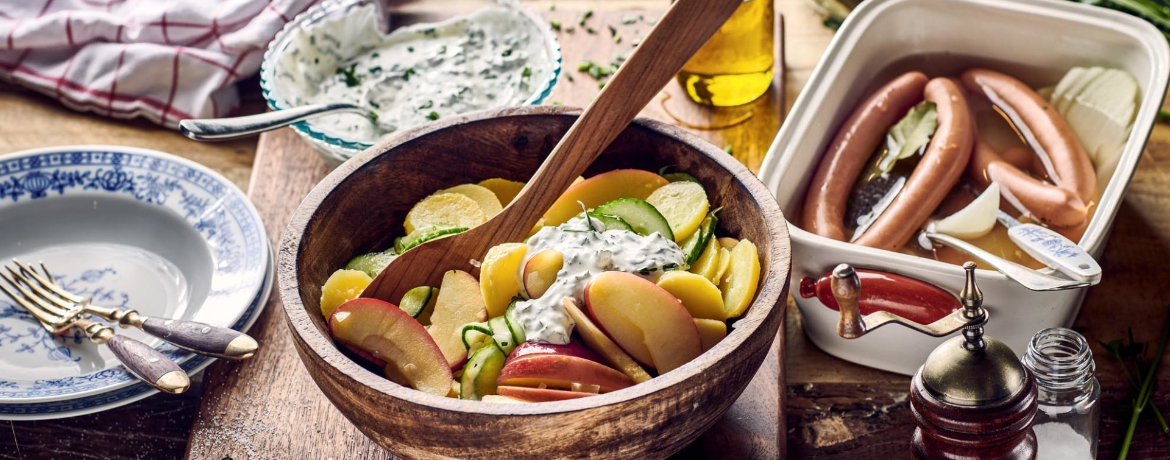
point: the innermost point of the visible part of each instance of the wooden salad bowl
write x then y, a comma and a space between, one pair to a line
360, 207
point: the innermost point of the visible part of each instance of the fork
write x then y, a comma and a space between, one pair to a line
220, 342
142, 361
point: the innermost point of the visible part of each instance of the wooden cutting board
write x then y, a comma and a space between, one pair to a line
269, 407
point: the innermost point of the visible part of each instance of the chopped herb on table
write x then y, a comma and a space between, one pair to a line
630, 19
1135, 352
728, 149
585, 17
591, 30
612, 31
555, 24
350, 76
569, 76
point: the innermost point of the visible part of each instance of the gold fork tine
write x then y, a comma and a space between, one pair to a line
50, 283
47, 320
55, 304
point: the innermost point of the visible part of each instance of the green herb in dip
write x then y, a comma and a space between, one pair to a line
494, 57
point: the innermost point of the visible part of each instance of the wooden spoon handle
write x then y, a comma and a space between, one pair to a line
687, 25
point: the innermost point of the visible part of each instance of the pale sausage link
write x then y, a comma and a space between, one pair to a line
1050, 204
1045, 131
842, 162
937, 172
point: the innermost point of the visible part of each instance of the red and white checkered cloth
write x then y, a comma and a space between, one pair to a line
163, 60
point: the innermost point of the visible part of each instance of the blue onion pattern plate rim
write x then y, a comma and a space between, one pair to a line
138, 391
215, 209
331, 7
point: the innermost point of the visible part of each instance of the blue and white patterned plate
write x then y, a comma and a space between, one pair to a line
132, 228
117, 398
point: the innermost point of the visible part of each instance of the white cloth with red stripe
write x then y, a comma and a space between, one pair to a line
163, 60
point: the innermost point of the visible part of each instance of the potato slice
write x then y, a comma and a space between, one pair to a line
683, 204
721, 269
710, 331
505, 190
697, 293
742, 279
486, 199
459, 302
498, 279
444, 209
708, 262
341, 287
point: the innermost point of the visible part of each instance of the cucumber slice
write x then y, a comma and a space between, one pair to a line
610, 222
680, 177
416, 300
371, 263
514, 323
422, 235
693, 246
502, 334
480, 373
642, 216
475, 335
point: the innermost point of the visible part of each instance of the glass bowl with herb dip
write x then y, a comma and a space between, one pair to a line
429, 66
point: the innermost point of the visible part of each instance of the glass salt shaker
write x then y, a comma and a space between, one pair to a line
1066, 424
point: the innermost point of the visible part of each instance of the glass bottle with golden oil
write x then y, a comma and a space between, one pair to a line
735, 66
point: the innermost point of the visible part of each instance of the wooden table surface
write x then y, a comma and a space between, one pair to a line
834, 409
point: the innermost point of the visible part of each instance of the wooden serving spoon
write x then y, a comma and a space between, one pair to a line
687, 25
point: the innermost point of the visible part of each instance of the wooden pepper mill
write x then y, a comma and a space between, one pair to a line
972, 399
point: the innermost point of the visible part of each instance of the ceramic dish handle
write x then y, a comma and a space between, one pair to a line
216, 129
149, 365
201, 338
1027, 277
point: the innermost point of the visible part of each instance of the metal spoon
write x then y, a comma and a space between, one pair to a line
1027, 277
218, 129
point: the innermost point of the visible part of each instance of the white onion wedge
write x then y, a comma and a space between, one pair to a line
976, 219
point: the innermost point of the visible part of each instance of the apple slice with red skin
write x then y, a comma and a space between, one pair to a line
569, 349
363, 354
540, 272
388, 333
561, 372
643, 319
540, 394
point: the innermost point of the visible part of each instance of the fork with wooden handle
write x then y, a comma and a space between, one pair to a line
205, 339
142, 361
685, 27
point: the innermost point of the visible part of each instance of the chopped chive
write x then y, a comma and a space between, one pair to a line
591, 30
585, 17
410, 49
527, 72
555, 24
612, 31
728, 149
433, 116
428, 105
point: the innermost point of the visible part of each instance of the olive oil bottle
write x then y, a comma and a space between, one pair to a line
735, 66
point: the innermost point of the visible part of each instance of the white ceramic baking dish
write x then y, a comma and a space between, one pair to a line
1041, 38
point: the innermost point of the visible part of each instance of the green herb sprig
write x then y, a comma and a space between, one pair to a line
1135, 352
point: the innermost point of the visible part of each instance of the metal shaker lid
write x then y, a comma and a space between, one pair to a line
973, 370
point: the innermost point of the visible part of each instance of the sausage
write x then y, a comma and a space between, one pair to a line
901, 295
1046, 132
937, 172
1051, 204
824, 205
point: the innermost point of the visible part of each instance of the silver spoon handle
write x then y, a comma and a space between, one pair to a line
215, 129
1027, 277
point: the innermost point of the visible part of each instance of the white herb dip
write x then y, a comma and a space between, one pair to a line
494, 57
587, 253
